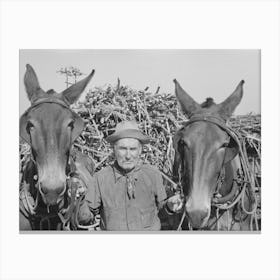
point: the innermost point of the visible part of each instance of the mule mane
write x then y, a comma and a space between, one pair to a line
207, 109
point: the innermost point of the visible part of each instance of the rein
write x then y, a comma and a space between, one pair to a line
68, 216
242, 185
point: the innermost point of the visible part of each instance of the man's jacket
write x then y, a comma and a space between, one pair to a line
126, 201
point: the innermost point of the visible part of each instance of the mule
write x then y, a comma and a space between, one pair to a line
50, 127
208, 166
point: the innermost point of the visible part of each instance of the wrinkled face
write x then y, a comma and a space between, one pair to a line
127, 153
202, 148
49, 128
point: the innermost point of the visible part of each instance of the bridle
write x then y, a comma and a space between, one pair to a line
50, 99
242, 183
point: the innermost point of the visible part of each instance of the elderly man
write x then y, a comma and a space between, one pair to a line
128, 193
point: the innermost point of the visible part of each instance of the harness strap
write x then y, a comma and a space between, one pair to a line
70, 210
219, 122
50, 99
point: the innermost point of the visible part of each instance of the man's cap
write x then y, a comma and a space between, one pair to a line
128, 129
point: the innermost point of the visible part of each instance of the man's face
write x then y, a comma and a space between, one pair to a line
127, 153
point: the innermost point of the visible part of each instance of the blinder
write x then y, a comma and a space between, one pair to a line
231, 150
178, 160
79, 125
23, 128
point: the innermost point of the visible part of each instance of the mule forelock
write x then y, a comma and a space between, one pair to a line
208, 103
51, 92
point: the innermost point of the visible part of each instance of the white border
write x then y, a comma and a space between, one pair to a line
191, 25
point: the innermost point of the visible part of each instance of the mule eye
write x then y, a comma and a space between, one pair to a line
71, 125
225, 145
182, 144
29, 126
186, 144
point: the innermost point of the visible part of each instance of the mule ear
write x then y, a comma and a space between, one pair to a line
31, 83
73, 93
231, 151
78, 127
22, 129
226, 108
188, 104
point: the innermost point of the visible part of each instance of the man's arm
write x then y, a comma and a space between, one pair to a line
172, 204
160, 193
90, 204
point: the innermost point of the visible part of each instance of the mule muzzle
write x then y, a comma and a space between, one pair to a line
51, 195
197, 217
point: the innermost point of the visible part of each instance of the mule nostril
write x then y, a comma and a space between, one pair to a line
197, 216
61, 190
43, 189
204, 215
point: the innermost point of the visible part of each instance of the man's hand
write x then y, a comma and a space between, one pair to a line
175, 203
78, 185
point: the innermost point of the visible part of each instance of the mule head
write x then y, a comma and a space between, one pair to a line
201, 149
50, 127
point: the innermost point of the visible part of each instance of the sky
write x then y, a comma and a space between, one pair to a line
202, 73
